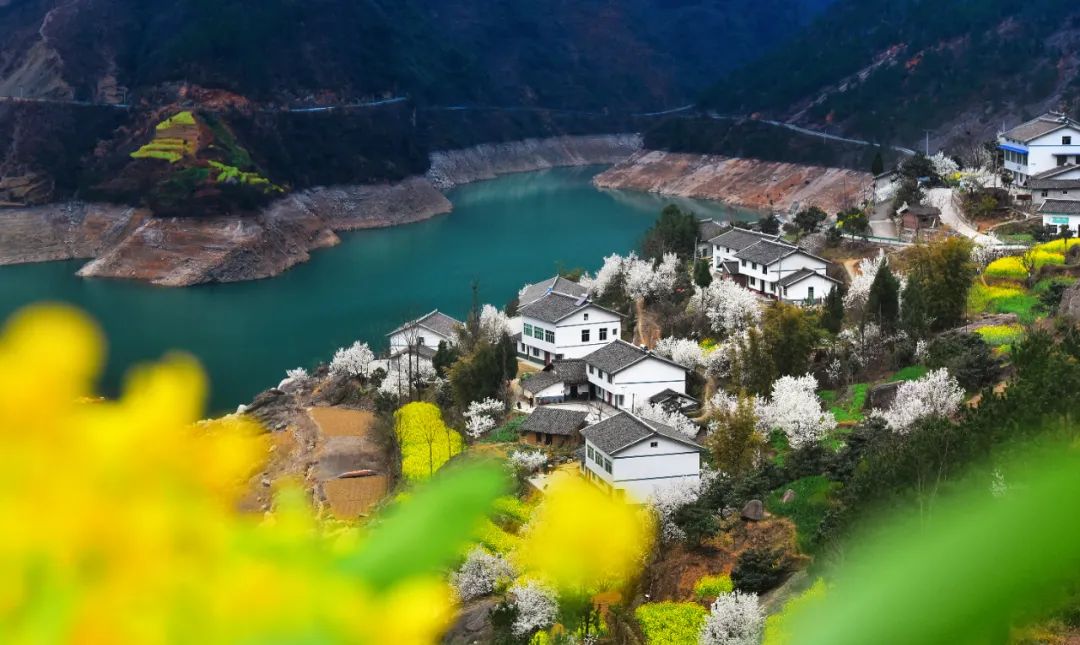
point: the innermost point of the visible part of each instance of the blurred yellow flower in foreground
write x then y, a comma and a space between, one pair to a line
583, 540
118, 520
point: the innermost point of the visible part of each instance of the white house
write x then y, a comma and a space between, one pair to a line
426, 331
626, 376
707, 230
631, 457
771, 267
559, 324
558, 382
530, 293
1056, 183
1061, 214
1044, 143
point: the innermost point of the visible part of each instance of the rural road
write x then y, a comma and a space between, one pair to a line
950, 215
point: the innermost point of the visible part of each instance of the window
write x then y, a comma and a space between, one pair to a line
589, 448
1064, 192
614, 332
600, 372
526, 330
549, 336
586, 316
536, 352
603, 333
743, 262
753, 265
1066, 141
810, 293
620, 400
584, 335
1046, 193
654, 444
607, 465
609, 377
420, 340
591, 369
538, 333
753, 282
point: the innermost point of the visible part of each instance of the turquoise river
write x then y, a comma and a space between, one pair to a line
501, 233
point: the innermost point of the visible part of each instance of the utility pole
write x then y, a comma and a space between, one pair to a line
927, 142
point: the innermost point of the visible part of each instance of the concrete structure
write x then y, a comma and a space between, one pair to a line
1061, 214
626, 376
560, 381
1057, 183
554, 427
562, 322
634, 458
707, 230
1042, 144
766, 264
426, 331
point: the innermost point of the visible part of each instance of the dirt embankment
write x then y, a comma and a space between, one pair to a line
487, 161
748, 183
176, 252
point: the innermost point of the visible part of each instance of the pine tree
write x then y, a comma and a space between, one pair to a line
883, 302
914, 318
878, 165
832, 315
702, 276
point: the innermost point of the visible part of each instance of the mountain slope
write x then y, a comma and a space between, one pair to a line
887, 69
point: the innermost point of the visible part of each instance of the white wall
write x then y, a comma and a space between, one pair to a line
1041, 151
799, 291
568, 333
423, 336
641, 469
640, 381
1055, 220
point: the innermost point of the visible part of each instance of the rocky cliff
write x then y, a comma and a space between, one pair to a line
487, 161
749, 183
63, 231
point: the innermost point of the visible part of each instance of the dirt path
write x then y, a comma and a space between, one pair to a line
648, 331
951, 216
346, 444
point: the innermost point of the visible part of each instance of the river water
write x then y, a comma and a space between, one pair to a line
502, 233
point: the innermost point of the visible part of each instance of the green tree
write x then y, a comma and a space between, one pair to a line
790, 333
751, 363
877, 166
808, 220
675, 231
759, 570
770, 224
883, 301
445, 356
478, 375
914, 319
702, 276
733, 440
832, 313
945, 272
507, 354
697, 523
853, 221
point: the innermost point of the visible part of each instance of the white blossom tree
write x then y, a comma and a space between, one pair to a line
731, 308
735, 619
480, 574
480, 417
859, 291
294, 376
353, 360
944, 166
683, 351
609, 273
493, 323
537, 607
795, 410
673, 419
938, 394
528, 461
667, 500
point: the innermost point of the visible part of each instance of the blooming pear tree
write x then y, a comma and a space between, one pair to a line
480, 574
859, 291
673, 419
481, 416
938, 394
537, 607
353, 360
683, 351
735, 619
528, 461
493, 323
795, 410
731, 308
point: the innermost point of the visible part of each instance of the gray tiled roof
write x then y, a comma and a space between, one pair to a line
740, 238
1060, 207
552, 308
619, 354
437, 322
614, 434
541, 381
1039, 126
921, 211
424, 351
710, 228
669, 394
1054, 184
558, 284
572, 371
555, 421
801, 275
765, 252
731, 266
1055, 171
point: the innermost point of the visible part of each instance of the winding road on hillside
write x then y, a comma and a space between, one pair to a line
950, 215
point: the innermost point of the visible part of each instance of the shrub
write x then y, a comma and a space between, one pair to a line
759, 570
508, 432
671, 623
911, 373
712, 586
808, 508
998, 335
966, 356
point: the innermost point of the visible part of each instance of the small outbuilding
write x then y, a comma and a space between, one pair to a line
554, 427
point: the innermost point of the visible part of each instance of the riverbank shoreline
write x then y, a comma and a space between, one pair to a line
122, 242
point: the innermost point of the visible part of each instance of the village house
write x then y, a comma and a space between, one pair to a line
1061, 215
1056, 183
707, 230
626, 376
419, 339
558, 382
632, 457
775, 269
561, 322
918, 218
553, 427
1042, 144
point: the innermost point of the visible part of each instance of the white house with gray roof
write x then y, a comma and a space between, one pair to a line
635, 458
1061, 214
627, 376
425, 332
1056, 183
562, 322
768, 265
1039, 145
